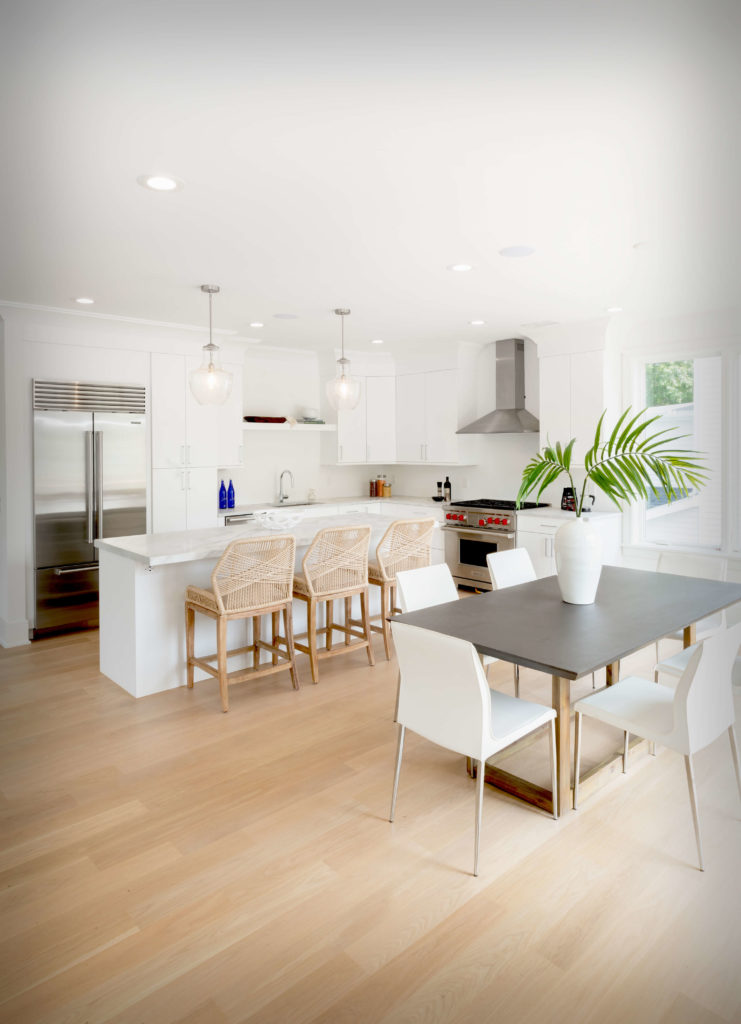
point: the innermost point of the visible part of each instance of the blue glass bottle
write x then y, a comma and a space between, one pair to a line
222, 495
230, 496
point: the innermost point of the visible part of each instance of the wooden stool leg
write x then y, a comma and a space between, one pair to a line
255, 638
348, 619
312, 640
330, 625
221, 624
276, 628
288, 630
366, 624
190, 625
387, 603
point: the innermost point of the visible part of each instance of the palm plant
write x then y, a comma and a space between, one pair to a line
628, 465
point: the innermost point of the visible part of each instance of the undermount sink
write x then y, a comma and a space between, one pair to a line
293, 504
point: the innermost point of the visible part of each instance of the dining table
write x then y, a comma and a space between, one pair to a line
530, 625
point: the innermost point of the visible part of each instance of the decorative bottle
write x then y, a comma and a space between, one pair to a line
446, 489
230, 496
222, 495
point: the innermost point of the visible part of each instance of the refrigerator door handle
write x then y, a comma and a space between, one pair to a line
88, 567
89, 470
99, 480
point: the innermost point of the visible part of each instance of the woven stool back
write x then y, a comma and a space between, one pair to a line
405, 545
253, 573
337, 560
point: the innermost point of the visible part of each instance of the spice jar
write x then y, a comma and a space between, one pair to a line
386, 489
372, 492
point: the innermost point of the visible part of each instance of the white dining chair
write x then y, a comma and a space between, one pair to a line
444, 697
426, 587
509, 569
705, 567
686, 719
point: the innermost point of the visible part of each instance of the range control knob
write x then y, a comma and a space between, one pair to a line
482, 522
461, 517
497, 521
449, 515
505, 522
490, 520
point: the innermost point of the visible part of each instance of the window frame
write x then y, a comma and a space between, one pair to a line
634, 376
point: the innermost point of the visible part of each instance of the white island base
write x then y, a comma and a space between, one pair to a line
142, 601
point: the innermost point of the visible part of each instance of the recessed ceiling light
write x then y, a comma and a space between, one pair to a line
376, 341
460, 267
85, 302
541, 323
257, 324
641, 245
160, 182
477, 323
516, 251
285, 316
614, 309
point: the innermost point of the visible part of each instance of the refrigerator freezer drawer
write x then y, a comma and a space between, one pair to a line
66, 598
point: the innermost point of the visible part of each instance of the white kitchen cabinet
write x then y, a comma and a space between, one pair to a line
351, 430
427, 417
410, 417
185, 433
536, 532
184, 499
572, 399
380, 420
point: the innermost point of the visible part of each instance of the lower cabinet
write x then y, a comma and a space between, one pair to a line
537, 534
184, 499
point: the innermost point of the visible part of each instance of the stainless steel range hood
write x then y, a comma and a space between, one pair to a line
510, 415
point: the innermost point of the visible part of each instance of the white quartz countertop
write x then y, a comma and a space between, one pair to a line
153, 549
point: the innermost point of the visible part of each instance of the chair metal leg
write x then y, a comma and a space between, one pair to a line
626, 741
516, 673
554, 780
577, 756
734, 755
399, 752
479, 806
693, 803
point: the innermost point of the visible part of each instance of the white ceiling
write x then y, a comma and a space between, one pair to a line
343, 154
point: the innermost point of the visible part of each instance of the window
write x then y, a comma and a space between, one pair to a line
687, 395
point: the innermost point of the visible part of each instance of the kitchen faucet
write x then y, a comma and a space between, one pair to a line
283, 498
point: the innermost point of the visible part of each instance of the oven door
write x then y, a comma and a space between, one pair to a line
466, 551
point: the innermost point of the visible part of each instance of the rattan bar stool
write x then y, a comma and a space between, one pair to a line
254, 577
405, 545
335, 567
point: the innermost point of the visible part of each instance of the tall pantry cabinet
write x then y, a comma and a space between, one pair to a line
189, 442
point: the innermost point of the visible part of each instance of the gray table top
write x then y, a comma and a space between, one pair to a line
531, 625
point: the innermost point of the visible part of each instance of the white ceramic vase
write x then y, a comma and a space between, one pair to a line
578, 560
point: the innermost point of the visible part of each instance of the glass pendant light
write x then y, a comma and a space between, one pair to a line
343, 392
211, 384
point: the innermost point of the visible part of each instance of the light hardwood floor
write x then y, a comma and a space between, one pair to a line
162, 861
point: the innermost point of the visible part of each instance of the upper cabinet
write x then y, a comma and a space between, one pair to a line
365, 434
184, 433
427, 417
572, 399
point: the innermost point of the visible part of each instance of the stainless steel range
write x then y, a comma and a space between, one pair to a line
472, 530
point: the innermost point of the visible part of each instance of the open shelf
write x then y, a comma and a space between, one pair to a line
299, 428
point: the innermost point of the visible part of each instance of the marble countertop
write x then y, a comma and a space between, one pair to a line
265, 506
559, 514
153, 549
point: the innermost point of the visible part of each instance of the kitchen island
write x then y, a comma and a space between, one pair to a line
142, 594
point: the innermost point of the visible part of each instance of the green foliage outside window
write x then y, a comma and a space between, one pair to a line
669, 383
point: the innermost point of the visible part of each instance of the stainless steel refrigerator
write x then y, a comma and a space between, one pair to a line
90, 481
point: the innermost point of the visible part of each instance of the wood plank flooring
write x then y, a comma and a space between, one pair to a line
162, 861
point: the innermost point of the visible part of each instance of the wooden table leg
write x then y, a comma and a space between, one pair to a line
612, 672
562, 707
690, 635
